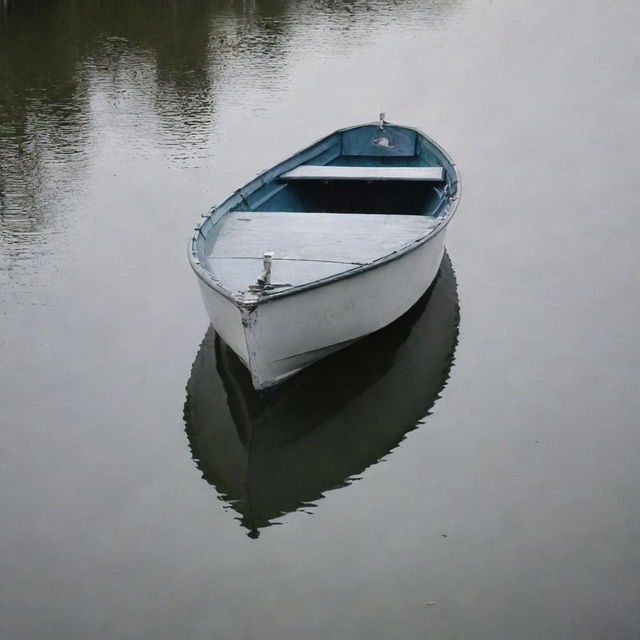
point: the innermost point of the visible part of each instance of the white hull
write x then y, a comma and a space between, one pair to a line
282, 335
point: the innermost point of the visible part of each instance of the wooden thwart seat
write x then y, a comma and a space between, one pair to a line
321, 172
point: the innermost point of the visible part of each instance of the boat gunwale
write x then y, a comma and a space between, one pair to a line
209, 279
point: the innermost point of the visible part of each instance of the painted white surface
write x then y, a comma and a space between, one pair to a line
307, 246
236, 274
322, 172
291, 332
288, 333
226, 317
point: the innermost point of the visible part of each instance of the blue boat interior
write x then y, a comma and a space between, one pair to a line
365, 146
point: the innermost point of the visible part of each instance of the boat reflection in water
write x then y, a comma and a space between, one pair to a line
269, 454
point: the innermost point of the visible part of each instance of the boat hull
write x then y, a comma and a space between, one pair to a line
279, 336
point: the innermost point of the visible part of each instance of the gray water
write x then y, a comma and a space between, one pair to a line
505, 500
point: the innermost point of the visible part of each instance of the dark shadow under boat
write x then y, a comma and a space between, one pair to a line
272, 453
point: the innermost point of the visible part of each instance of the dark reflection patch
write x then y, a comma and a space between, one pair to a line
268, 454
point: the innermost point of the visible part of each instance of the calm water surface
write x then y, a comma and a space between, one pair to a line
481, 454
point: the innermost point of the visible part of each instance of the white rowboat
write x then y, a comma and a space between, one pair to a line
326, 247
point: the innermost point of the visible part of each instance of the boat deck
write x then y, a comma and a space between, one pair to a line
307, 246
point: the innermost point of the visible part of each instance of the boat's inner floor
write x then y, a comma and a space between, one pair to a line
357, 196
307, 246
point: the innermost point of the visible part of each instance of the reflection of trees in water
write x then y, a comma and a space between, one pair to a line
49, 55
41, 108
172, 53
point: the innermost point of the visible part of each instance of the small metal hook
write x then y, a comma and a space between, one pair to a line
265, 277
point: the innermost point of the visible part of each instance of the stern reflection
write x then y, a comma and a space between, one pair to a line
275, 453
